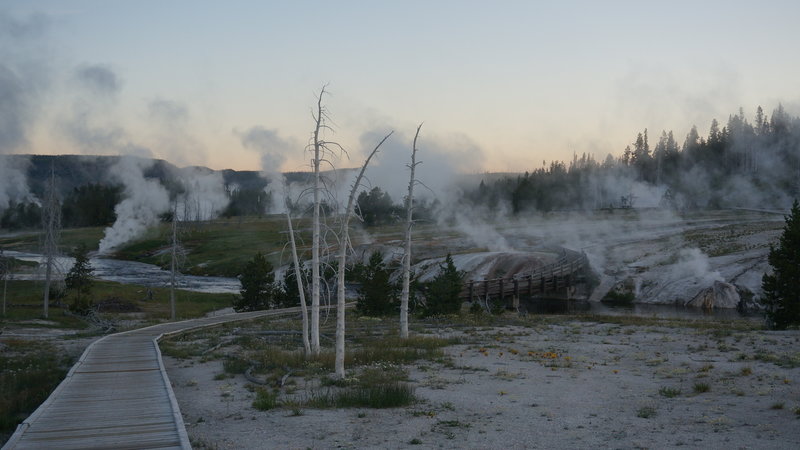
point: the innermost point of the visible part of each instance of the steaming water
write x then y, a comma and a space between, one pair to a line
130, 272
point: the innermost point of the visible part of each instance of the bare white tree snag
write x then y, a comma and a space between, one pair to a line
51, 220
300, 289
173, 265
5, 266
344, 243
319, 120
404, 293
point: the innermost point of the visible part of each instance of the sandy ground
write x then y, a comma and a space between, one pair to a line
572, 385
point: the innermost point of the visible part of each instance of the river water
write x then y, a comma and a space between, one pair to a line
131, 272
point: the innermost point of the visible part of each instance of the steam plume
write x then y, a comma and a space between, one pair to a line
144, 200
23, 79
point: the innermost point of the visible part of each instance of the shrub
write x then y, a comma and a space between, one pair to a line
699, 388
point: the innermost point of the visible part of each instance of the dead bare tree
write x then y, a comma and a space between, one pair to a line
344, 243
300, 288
6, 266
321, 149
51, 222
176, 257
404, 293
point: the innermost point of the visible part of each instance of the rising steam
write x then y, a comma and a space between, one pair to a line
145, 199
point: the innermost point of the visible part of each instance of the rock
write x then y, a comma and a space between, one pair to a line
718, 295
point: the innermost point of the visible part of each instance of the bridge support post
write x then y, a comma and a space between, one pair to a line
515, 298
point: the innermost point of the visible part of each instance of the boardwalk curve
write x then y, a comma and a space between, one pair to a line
117, 395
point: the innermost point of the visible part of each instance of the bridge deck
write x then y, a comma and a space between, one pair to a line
563, 273
116, 396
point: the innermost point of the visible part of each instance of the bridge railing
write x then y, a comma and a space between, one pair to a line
558, 275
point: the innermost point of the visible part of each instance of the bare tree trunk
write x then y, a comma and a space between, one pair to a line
52, 224
5, 288
315, 282
344, 242
404, 293
298, 276
173, 261
6, 267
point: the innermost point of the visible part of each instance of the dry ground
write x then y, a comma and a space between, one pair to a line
562, 383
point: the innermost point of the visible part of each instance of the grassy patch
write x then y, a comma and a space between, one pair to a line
669, 392
24, 303
646, 412
220, 247
700, 388
234, 365
29, 371
786, 360
265, 400
389, 395
69, 238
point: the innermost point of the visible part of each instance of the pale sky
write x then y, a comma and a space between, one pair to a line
502, 84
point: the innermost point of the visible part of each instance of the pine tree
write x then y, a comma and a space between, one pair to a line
258, 285
79, 280
377, 296
289, 295
782, 287
443, 291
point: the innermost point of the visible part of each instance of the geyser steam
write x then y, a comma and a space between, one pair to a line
144, 200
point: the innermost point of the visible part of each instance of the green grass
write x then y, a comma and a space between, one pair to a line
785, 360
24, 303
29, 371
669, 392
265, 400
220, 247
389, 395
700, 388
234, 365
70, 238
646, 412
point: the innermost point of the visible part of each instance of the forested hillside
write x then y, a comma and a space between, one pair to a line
741, 164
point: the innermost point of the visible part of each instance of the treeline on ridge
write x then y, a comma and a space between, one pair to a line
742, 164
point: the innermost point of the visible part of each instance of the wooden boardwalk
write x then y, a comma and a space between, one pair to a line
117, 396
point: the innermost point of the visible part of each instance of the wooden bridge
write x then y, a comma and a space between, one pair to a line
569, 270
117, 395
